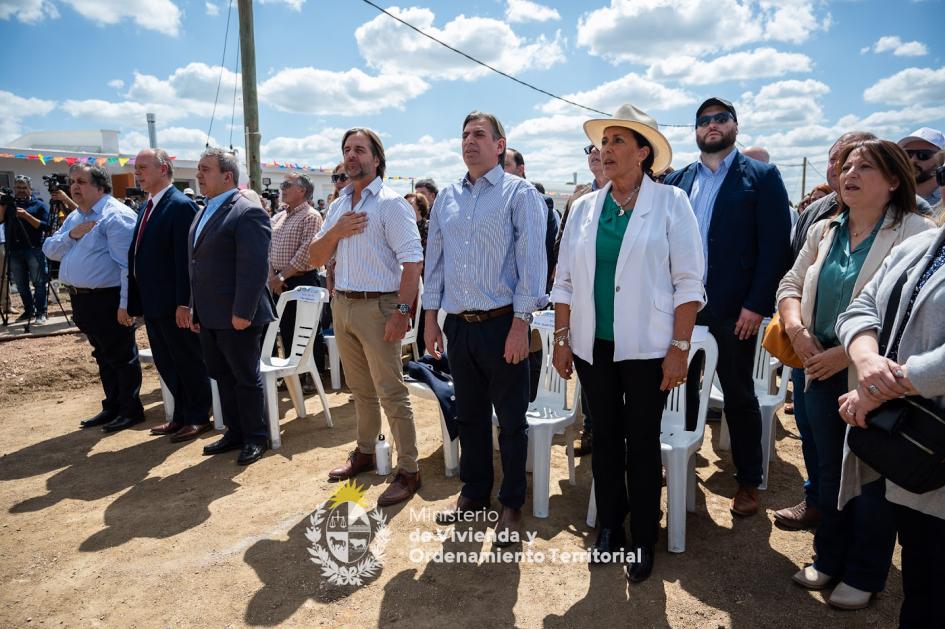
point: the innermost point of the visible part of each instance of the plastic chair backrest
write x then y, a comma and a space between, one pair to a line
550, 382
674, 412
761, 370
308, 311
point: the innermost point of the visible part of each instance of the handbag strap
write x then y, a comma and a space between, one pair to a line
892, 306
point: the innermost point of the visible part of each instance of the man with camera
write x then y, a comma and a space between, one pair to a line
25, 221
92, 246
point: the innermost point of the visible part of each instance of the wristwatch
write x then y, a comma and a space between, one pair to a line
527, 317
682, 346
404, 309
281, 278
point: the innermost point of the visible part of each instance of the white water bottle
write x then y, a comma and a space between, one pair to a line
382, 459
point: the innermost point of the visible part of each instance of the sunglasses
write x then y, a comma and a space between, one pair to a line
921, 155
590, 148
285, 185
339, 177
720, 118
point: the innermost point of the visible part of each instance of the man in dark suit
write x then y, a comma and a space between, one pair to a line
744, 218
159, 290
230, 304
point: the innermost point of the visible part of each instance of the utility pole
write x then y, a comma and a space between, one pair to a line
250, 104
803, 178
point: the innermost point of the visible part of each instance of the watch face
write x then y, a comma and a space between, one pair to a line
403, 308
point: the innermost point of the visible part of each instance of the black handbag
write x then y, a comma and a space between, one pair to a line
905, 438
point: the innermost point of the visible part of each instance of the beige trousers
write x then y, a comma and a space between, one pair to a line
374, 373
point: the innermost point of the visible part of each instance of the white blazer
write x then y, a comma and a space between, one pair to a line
660, 266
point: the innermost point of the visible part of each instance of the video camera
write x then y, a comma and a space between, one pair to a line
56, 181
6, 197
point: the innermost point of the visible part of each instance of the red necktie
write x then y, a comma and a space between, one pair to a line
144, 222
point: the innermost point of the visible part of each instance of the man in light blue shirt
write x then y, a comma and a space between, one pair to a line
486, 267
92, 247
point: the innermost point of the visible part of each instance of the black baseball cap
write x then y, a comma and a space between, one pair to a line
721, 102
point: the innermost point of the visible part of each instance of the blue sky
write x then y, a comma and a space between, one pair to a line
800, 72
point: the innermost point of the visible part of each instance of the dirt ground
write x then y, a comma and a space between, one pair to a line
133, 531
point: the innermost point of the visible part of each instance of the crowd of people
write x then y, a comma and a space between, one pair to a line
642, 255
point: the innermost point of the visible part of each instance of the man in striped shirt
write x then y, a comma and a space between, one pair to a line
486, 267
371, 232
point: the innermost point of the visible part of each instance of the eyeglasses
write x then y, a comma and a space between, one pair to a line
285, 185
339, 177
720, 118
590, 148
922, 154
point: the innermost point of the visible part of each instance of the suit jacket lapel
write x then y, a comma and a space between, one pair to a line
882, 244
688, 176
590, 246
733, 175
216, 218
154, 212
634, 227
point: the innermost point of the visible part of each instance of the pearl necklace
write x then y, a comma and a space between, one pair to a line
626, 201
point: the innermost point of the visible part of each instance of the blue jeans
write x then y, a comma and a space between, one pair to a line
855, 544
808, 445
29, 265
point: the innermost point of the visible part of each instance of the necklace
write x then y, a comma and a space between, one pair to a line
857, 233
626, 201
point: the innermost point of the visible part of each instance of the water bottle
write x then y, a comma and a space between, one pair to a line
382, 459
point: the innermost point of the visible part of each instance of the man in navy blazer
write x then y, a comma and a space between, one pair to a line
230, 302
159, 290
744, 219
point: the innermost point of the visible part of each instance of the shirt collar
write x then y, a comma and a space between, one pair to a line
493, 176
218, 200
723, 167
374, 187
289, 211
100, 204
156, 198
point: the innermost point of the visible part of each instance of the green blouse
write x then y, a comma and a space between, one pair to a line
837, 277
610, 231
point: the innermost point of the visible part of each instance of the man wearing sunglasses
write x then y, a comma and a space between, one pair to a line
921, 146
744, 217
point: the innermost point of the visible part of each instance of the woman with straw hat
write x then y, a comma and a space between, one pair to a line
627, 289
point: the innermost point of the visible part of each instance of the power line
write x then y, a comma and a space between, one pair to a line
226, 38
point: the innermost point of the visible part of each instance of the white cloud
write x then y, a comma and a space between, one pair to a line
320, 149
116, 84
394, 49
292, 4
14, 108
211, 9
162, 16
427, 157
350, 93
527, 11
624, 31
27, 11
181, 142
121, 113
739, 66
631, 88
894, 124
782, 104
912, 86
893, 44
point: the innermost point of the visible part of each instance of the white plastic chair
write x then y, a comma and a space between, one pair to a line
549, 414
309, 301
678, 445
146, 356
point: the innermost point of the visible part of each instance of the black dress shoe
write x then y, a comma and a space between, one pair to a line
608, 541
251, 453
640, 570
223, 445
102, 418
120, 423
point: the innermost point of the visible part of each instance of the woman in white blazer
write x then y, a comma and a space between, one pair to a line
628, 285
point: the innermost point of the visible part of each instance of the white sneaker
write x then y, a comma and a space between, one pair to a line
40, 320
848, 597
812, 578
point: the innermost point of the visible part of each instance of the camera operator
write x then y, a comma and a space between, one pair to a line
24, 226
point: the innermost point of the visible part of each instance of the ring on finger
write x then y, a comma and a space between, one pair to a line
873, 389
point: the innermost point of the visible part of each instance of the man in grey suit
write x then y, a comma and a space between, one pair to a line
230, 303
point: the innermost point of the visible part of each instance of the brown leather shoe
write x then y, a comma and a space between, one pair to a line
167, 429
508, 528
189, 432
357, 462
463, 510
799, 517
403, 487
746, 501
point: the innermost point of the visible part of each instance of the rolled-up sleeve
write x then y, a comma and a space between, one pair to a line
311, 224
686, 259
529, 218
401, 231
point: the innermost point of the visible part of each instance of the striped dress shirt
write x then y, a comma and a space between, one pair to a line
370, 261
705, 189
486, 246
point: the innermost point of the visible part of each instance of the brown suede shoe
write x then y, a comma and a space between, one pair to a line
746, 501
167, 429
357, 462
191, 431
463, 507
508, 528
799, 517
403, 487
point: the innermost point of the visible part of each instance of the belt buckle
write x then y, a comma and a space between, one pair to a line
471, 317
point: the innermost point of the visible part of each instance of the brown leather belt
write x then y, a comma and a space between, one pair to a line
480, 316
362, 294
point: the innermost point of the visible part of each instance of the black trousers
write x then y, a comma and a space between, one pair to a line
626, 409
483, 381
287, 323
735, 368
232, 358
179, 360
923, 568
113, 348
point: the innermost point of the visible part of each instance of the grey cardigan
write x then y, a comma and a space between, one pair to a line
921, 349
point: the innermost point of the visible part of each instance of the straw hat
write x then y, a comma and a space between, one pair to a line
632, 118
